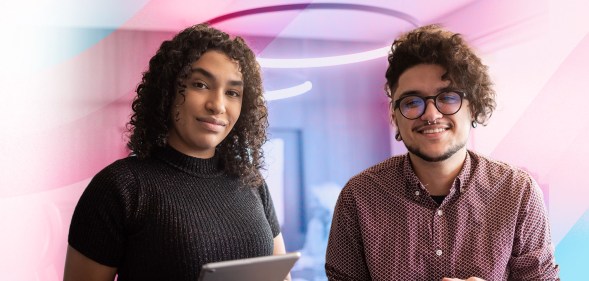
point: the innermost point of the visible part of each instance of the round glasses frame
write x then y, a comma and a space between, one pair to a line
434, 98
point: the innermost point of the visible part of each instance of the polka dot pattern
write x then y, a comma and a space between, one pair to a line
492, 225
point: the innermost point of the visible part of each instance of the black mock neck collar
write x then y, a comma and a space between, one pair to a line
206, 168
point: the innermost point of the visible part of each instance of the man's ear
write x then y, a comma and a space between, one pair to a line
391, 106
473, 120
394, 119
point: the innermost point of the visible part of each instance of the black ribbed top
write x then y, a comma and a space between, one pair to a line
162, 218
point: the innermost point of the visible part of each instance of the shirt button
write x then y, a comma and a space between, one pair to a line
439, 252
462, 190
417, 193
440, 212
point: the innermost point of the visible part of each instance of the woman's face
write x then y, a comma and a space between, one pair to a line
210, 107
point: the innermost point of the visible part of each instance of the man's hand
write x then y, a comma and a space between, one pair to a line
456, 279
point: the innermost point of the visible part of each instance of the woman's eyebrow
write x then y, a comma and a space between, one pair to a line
203, 72
208, 75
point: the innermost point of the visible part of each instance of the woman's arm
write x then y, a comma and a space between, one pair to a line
80, 267
280, 249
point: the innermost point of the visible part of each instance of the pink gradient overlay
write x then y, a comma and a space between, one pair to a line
63, 123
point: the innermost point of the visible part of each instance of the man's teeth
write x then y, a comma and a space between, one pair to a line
433, 131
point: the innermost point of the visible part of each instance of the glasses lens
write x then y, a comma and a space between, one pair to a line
448, 103
412, 107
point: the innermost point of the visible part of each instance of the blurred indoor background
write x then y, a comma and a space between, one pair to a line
69, 70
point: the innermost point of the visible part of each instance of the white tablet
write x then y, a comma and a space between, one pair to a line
268, 268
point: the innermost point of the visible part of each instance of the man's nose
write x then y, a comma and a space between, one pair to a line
431, 112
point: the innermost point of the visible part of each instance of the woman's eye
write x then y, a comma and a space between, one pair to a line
199, 85
233, 93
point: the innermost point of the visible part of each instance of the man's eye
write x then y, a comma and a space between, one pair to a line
412, 102
449, 98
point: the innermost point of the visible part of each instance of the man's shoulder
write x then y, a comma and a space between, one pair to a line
493, 171
487, 163
389, 168
390, 165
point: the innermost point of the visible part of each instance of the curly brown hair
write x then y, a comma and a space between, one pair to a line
432, 44
241, 151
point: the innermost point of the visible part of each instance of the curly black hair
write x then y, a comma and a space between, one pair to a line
432, 44
241, 151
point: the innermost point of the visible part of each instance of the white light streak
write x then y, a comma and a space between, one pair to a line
324, 61
288, 92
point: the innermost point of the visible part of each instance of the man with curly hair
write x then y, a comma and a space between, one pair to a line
440, 211
191, 193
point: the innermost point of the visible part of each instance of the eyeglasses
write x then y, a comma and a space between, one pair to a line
412, 106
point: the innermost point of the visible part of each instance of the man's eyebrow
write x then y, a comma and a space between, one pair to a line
409, 93
446, 89
208, 75
419, 93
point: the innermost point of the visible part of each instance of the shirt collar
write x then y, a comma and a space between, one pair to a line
462, 179
409, 175
413, 183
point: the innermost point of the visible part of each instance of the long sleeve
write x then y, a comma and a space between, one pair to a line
345, 259
533, 256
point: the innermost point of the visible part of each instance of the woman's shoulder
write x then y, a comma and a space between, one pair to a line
120, 166
127, 165
122, 172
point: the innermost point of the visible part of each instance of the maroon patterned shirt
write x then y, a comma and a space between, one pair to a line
491, 225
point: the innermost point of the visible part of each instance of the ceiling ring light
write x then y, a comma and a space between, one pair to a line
320, 61
288, 92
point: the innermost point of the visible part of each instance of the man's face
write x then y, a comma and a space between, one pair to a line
449, 134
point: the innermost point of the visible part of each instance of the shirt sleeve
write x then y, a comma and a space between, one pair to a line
97, 229
269, 209
345, 259
532, 256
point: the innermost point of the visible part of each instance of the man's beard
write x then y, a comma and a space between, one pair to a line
440, 158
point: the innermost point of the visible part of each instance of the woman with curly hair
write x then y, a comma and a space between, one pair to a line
191, 192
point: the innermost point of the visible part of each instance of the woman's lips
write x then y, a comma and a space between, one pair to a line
212, 124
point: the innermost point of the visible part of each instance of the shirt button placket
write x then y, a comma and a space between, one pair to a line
439, 233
